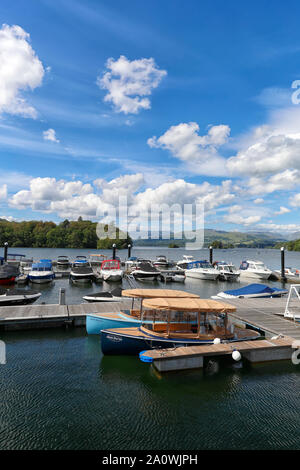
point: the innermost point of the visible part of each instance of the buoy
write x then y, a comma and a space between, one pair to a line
217, 341
236, 355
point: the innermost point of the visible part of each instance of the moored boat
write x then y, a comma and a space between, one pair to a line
81, 272
18, 296
63, 261
145, 271
227, 271
41, 272
254, 269
251, 291
201, 270
177, 322
161, 261
110, 296
8, 273
110, 270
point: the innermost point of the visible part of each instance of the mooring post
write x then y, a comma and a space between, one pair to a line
114, 251
129, 251
5, 251
62, 296
211, 254
283, 277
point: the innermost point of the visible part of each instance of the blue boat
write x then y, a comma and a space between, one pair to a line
41, 272
251, 291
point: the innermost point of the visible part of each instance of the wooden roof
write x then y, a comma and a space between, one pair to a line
161, 293
189, 305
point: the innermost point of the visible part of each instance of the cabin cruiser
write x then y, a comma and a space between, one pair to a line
110, 270
63, 261
176, 322
18, 296
201, 270
182, 264
145, 271
254, 269
227, 271
81, 272
161, 262
251, 291
41, 272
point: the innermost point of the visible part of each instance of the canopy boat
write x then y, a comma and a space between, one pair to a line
201, 270
81, 272
183, 264
63, 261
95, 322
17, 296
182, 322
8, 273
111, 270
113, 296
254, 269
251, 291
145, 271
161, 261
227, 271
41, 272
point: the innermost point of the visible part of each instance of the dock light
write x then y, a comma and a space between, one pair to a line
217, 341
236, 355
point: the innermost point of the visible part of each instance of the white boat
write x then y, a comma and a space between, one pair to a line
110, 270
81, 272
114, 296
63, 261
255, 270
251, 291
182, 264
201, 270
18, 296
145, 271
290, 273
42, 272
227, 271
161, 262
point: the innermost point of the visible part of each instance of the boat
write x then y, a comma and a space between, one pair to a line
110, 270
113, 296
145, 271
201, 270
227, 271
63, 261
177, 322
291, 274
131, 263
161, 262
81, 272
41, 272
18, 297
95, 322
251, 291
182, 264
81, 260
254, 269
8, 273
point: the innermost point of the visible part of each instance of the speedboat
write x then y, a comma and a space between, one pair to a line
63, 261
80, 260
290, 273
18, 296
8, 273
145, 271
131, 263
113, 296
182, 264
254, 269
110, 270
251, 291
227, 271
81, 272
201, 270
41, 272
161, 262
96, 322
177, 322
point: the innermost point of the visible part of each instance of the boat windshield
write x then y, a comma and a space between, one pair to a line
110, 264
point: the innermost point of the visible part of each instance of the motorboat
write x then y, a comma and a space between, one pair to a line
41, 272
8, 273
227, 271
114, 295
291, 274
161, 262
110, 270
182, 264
177, 322
95, 322
18, 296
63, 261
201, 270
81, 272
254, 269
81, 260
251, 291
131, 263
145, 271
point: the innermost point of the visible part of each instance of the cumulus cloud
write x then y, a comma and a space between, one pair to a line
199, 152
20, 70
129, 83
240, 220
50, 134
282, 210
283, 181
259, 200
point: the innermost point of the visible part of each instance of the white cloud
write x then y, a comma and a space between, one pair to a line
129, 83
20, 70
240, 220
295, 200
199, 152
282, 210
3, 191
258, 201
50, 134
283, 181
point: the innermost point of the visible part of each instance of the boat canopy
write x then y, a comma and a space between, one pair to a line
199, 264
253, 289
16, 254
110, 264
153, 293
189, 305
43, 265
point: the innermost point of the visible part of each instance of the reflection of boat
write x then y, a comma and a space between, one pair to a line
176, 322
251, 291
146, 272
63, 261
227, 271
18, 296
114, 296
95, 322
81, 272
41, 272
201, 270
254, 269
110, 270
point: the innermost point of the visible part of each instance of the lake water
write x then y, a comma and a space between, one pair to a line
59, 392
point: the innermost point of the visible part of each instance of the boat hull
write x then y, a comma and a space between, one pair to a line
41, 279
6, 301
201, 275
8, 280
253, 275
95, 323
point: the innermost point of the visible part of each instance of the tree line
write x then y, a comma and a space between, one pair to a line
67, 234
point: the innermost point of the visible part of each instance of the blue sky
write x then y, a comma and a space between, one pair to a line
164, 102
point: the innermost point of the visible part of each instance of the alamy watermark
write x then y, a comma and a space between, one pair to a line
157, 221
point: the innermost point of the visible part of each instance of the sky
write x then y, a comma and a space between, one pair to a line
158, 102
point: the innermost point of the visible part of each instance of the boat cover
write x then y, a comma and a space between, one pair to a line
189, 305
153, 293
254, 289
